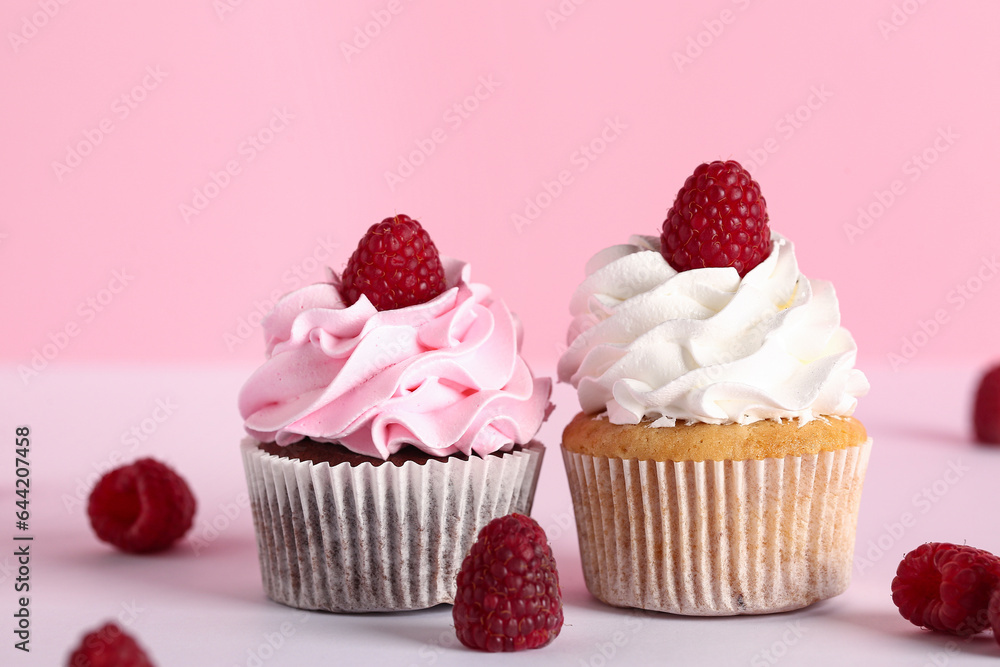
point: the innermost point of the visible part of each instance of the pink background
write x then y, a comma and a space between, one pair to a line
160, 307
887, 81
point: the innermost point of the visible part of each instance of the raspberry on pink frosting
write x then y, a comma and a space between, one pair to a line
445, 376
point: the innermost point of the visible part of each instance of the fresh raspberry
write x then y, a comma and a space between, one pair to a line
142, 507
395, 265
993, 613
986, 413
508, 595
946, 587
108, 646
719, 218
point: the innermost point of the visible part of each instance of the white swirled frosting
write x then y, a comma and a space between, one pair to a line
649, 343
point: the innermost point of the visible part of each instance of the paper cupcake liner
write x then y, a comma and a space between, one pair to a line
377, 538
716, 538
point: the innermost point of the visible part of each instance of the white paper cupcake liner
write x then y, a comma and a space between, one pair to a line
377, 538
716, 538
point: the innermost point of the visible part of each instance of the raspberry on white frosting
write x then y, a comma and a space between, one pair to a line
650, 343
445, 376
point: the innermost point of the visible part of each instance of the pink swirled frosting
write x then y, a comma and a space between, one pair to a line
444, 376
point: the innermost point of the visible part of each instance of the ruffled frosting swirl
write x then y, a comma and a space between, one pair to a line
445, 376
650, 343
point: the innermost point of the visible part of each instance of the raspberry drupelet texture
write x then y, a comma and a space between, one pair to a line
986, 411
395, 265
108, 646
719, 218
142, 507
508, 596
993, 613
946, 587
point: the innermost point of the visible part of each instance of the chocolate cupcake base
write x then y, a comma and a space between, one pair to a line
353, 536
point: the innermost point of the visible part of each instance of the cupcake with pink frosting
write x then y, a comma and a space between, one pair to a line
393, 419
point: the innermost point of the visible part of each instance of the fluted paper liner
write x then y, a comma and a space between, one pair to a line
377, 538
714, 538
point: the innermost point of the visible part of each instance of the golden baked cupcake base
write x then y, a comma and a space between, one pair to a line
714, 537
763, 439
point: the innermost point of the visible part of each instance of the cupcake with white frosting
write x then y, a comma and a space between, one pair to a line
715, 467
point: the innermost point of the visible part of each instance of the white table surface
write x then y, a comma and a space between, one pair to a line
207, 608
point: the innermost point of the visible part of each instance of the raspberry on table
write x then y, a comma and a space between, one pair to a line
986, 411
508, 596
395, 265
108, 646
719, 218
142, 507
946, 587
993, 613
